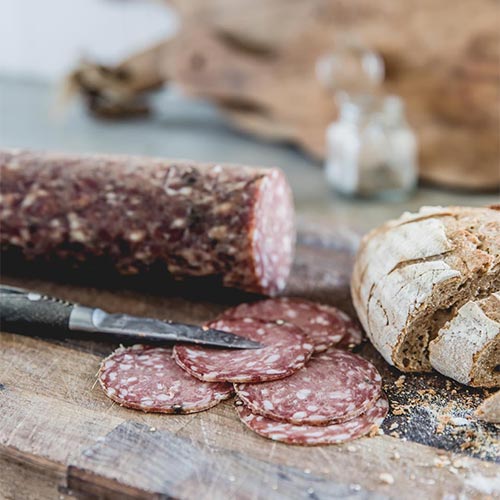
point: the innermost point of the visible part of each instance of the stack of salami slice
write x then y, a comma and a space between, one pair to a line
302, 387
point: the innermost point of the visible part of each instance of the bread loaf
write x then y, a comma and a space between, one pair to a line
414, 274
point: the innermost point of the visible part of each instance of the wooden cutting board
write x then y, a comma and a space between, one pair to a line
60, 437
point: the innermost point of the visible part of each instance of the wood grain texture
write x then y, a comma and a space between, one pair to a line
176, 467
58, 422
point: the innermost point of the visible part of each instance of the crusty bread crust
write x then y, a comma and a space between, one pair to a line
467, 348
489, 410
412, 275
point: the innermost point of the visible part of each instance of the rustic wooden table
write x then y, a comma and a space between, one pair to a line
60, 437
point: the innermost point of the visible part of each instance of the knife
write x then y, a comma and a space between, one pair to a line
24, 311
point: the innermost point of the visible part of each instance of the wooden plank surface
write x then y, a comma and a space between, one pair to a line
58, 428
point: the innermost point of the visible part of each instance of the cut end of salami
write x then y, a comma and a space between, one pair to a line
334, 386
324, 325
273, 236
286, 350
148, 379
311, 435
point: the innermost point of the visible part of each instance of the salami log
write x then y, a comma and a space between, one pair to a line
148, 379
334, 386
286, 350
228, 221
325, 327
314, 435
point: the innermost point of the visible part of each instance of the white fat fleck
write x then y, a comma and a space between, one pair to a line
195, 354
125, 366
312, 407
315, 418
268, 405
343, 437
178, 223
109, 363
307, 346
112, 376
299, 414
319, 433
273, 358
337, 395
163, 397
137, 235
291, 313
123, 392
218, 232
260, 331
320, 320
273, 372
110, 390
277, 437
131, 379
303, 393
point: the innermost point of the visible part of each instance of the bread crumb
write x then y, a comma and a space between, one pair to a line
351, 448
386, 478
441, 462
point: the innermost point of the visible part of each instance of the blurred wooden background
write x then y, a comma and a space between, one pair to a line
256, 60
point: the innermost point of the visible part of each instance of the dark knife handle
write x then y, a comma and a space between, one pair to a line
33, 313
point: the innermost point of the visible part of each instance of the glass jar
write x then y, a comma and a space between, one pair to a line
371, 150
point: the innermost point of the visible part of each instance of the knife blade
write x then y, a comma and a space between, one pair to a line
23, 311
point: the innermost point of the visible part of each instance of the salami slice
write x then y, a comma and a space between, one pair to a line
333, 387
312, 435
353, 333
138, 214
325, 327
286, 350
148, 379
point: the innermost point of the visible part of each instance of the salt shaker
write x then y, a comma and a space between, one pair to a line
371, 150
